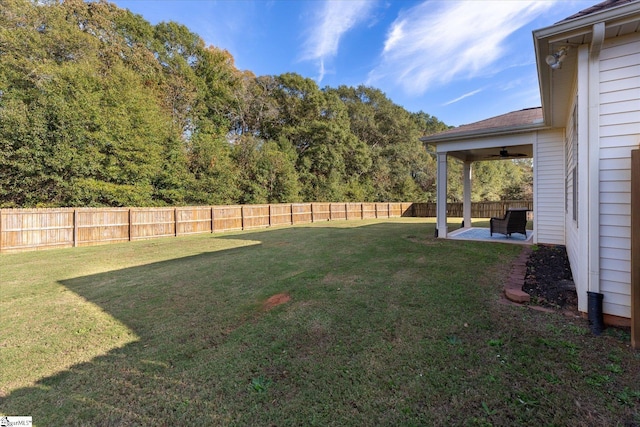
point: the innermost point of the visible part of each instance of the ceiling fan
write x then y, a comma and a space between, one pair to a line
505, 154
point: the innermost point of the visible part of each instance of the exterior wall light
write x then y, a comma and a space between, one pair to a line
555, 60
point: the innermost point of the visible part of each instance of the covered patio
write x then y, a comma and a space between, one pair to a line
509, 136
483, 234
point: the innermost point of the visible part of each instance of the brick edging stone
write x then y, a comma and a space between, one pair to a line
513, 286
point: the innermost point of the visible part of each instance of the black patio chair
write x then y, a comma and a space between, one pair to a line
514, 221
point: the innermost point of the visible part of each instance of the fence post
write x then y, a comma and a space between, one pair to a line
242, 216
312, 217
361, 210
212, 222
292, 221
175, 222
0, 230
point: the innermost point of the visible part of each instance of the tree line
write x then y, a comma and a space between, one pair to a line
98, 107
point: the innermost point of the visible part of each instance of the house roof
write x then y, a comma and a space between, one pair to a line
607, 4
521, 120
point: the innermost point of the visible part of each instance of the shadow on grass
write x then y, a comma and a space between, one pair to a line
385, 323
195, 321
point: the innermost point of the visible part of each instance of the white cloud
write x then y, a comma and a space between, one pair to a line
437, 42
333, 21
466, 95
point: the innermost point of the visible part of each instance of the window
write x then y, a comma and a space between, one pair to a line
574, 162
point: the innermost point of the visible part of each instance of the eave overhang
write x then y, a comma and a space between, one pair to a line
556, 86
484, 133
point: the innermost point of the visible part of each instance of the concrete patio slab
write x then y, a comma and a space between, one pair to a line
483, 234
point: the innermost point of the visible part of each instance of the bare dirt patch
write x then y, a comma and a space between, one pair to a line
275, 301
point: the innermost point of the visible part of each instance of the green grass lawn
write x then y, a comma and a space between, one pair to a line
385, 326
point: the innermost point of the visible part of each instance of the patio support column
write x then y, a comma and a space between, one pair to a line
466, 200
441, 214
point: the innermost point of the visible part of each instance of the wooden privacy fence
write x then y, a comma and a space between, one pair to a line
34, 229
478, 209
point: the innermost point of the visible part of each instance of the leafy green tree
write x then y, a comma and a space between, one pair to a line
254, 109
99, 107
215, 175
401, 167
519, 185
427, 124
266, 171
199, 83
102, 108
277, 171
316, 124
492, 180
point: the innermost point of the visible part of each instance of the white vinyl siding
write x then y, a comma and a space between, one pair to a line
619, 134
549, 190
577, 260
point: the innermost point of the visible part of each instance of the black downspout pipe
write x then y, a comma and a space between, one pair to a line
596, 321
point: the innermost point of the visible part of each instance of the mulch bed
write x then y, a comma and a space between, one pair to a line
548, 278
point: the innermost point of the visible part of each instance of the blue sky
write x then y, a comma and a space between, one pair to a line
458, 61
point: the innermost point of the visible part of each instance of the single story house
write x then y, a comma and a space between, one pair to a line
581, 141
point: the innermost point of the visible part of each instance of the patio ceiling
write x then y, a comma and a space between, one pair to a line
508, 136
494, 153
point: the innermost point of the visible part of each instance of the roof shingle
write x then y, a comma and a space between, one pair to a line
515, 119
607, 4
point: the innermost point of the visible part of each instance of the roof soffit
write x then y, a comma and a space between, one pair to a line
556, 85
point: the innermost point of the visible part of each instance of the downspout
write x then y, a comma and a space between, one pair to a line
535, 188
595, 297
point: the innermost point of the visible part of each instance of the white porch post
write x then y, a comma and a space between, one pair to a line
466, 200
441, 220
